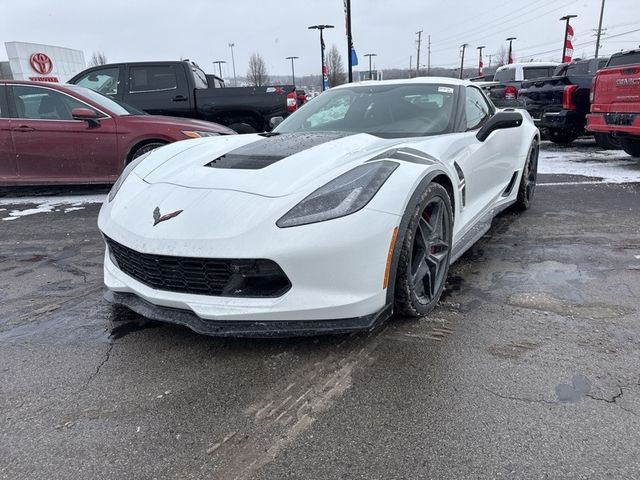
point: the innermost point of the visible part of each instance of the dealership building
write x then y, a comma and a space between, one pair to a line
43, 63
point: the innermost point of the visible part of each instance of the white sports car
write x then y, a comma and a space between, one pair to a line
351, 209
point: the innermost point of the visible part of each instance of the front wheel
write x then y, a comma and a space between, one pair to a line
529, 177
425, 255
606, 141
631, 146
147, 147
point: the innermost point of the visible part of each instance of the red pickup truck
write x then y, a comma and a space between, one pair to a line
615, 101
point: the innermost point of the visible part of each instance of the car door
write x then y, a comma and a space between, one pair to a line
106, 80
8, 170
52, 147
487, 166
158, 89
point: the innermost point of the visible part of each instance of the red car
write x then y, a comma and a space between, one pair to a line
65, 134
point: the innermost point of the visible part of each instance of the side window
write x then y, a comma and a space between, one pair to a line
476, 108
104, 81
537, 72
37, 103
152, 78
3, 114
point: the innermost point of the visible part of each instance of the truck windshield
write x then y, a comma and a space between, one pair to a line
387, 111
630, 58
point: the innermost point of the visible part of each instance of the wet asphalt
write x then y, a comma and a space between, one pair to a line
528, 368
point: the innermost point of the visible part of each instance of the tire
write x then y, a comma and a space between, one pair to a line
606, 141
631, 146
562, 137
425, 254
147, 147
527, 186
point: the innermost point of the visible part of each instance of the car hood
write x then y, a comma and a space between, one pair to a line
178, 122
270, 166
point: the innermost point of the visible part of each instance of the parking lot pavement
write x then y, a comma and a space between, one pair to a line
529, 367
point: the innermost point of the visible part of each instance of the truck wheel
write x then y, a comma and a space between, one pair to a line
606, 141
631, 146
562, 137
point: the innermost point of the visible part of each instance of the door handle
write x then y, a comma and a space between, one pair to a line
23, 128
179, 98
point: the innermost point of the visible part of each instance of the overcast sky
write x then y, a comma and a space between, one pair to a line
135, 30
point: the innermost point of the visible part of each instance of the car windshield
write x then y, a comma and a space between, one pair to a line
389, 111
115, 107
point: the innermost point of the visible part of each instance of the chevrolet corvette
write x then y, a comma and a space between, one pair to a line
350, 210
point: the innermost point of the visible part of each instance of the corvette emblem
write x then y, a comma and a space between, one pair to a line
157, 218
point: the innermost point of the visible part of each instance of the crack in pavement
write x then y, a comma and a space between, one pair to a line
100, 365
520, 399
611, 400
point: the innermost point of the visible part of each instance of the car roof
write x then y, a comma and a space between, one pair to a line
55, 85
408, 81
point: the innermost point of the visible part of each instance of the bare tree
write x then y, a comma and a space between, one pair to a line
98, 58
335, 67
257, 74
502, 56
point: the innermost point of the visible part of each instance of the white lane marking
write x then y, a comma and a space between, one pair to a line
592, 182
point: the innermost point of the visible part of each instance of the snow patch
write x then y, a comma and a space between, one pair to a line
48, 204
612, 166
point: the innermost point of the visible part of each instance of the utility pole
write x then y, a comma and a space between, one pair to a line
370, 71
566, 33
347, 5
233, 62
599, 29
428, 55
219, 62
418, 57
410, 65
510, 40
480, 64
325, 81
463, 47
490, 57
293, 71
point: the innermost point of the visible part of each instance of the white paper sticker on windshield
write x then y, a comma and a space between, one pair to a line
445, 89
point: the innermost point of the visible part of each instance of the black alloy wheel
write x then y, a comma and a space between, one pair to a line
425, 254
527, 187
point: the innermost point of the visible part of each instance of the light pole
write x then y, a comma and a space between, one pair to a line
480, 64
370, 71
233, 62
599, 29
463, 47
219, 62
566, 33
324, 68
510, 40
347, 7
293, 71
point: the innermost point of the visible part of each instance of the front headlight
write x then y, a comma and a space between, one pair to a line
342, 196
199, 134
125, 173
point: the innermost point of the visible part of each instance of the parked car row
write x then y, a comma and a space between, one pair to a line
66, 134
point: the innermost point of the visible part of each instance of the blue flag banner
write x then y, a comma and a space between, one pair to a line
354, 57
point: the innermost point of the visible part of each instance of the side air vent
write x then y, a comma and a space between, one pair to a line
512, 182
462, 184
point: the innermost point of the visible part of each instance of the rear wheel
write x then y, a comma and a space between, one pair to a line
527, 186
607, 141
631, 146
425, 254
562, 137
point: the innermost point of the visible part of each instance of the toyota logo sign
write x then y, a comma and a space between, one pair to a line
41, 63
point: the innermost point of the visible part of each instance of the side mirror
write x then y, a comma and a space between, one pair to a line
275, 121
87, 115
501, 119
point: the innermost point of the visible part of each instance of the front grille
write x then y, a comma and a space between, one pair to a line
201, 276
623, 119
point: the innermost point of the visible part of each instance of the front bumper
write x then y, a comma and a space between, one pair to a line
256, 329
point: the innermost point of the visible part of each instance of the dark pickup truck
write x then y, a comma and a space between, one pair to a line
559, 104
507, 81
182, 89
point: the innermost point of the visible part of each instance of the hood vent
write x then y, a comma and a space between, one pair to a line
266, 151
